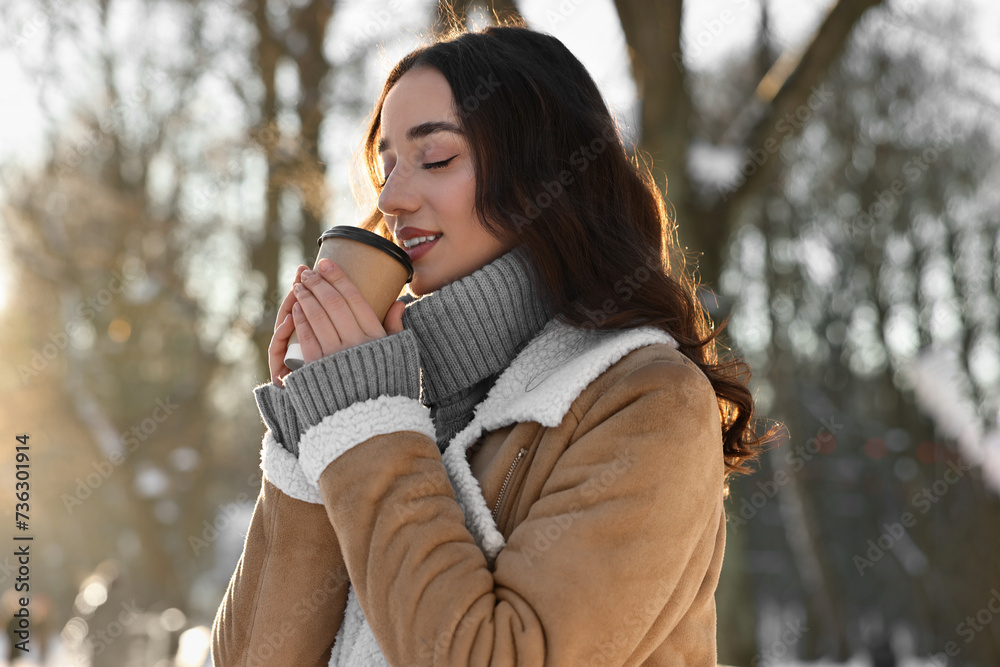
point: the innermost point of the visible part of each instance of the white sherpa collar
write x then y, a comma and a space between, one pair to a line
539, 385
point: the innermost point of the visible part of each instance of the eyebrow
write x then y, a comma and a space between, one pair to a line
423, 130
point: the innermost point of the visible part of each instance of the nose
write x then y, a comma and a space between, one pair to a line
398, 196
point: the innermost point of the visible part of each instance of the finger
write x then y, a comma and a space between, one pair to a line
278, 379
282, 332
393, 322
337, 310
311, 350
286, 306
319, 319
278, 348
365, 319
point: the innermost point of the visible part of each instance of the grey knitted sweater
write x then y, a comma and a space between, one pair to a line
455, 343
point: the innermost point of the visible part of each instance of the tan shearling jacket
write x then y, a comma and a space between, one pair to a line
577, 520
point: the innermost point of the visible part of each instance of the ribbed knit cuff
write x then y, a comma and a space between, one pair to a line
389, 366
279, 415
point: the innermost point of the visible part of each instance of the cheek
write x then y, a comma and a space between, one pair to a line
458, 196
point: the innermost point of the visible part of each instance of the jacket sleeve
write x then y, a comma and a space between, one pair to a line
286, 599
616, 548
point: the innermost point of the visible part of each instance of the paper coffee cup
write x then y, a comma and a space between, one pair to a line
379, 268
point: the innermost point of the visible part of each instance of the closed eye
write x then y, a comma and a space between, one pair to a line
438, 165
431, 165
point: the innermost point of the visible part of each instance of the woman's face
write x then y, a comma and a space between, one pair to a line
430, 181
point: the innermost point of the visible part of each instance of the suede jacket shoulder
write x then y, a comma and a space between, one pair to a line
576, 520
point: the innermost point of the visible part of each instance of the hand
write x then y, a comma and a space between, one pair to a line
282, 332
330, 315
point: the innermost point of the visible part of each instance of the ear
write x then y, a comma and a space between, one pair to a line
393, 322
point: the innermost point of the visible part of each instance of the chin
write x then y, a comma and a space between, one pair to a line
420, 288
421, 284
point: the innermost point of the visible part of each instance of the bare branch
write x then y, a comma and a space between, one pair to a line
785, 90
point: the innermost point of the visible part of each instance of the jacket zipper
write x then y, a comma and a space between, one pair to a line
506, 481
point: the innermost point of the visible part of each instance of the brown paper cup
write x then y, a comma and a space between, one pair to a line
378, 267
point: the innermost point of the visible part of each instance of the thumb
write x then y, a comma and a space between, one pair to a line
394, 318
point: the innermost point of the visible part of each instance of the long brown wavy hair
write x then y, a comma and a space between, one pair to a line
552, 174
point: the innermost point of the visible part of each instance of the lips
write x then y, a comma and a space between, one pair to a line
422, 249
414, 241
405, 233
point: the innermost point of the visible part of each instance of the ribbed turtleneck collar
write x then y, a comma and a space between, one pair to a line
469, 330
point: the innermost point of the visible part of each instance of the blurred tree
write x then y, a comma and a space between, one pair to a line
676, 132
874, 248
670, 127
292, 36
126, 356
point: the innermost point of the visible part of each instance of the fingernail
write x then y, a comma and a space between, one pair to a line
299, 289
307, 275
325, 265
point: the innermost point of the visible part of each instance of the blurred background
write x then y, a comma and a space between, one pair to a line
166, 164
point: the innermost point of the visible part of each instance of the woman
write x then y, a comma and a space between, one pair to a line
525, 463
